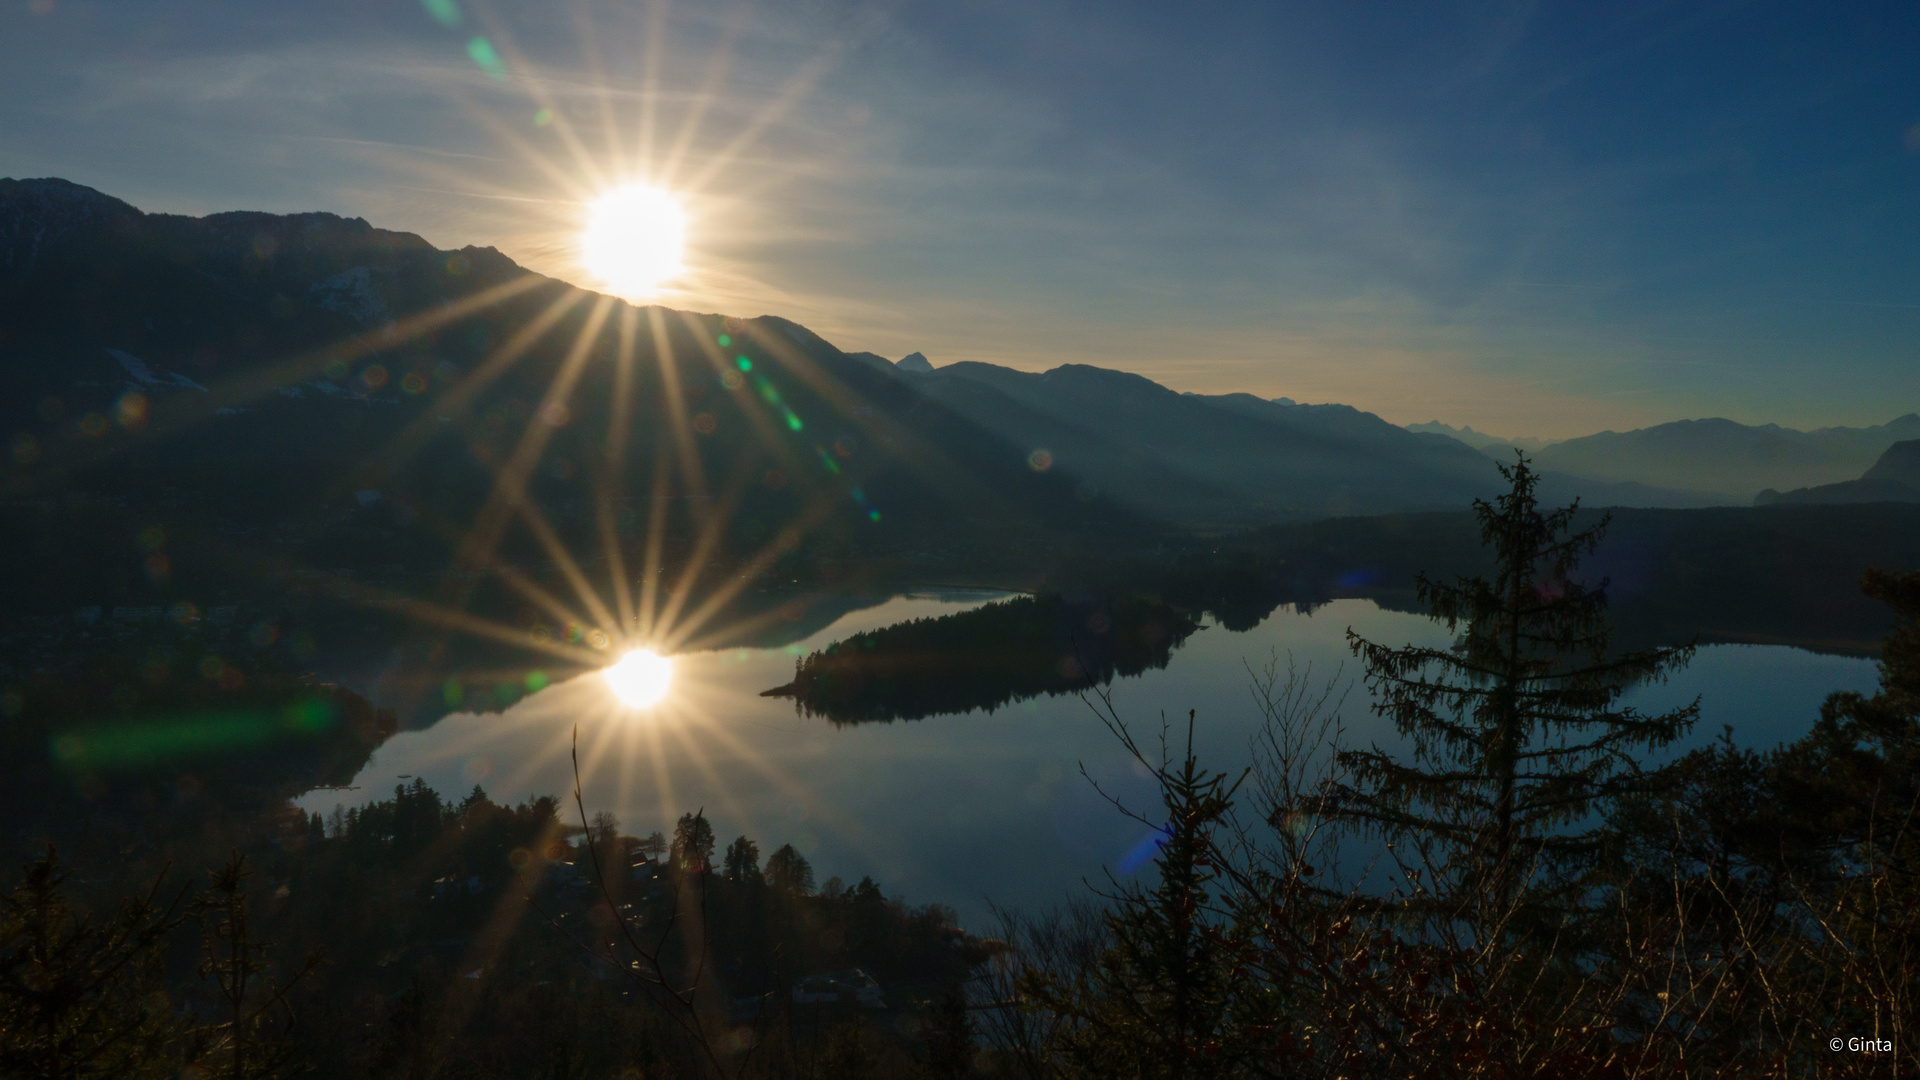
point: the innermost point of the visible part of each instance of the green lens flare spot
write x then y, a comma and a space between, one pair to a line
543, 118
536, 681
452, 692
482, 53
873, 515
152, 741
725, 341
444, 12
313, 714
793, 423
744, 363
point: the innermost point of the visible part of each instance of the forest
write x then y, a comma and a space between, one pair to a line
1530, 884
982, 659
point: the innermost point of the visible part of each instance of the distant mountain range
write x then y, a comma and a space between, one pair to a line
1231, 459
250, 399
281, 364
253, 427
1893, 478
1716, 460
1480, 440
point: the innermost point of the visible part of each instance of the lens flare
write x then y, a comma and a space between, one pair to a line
633, 239
640, 678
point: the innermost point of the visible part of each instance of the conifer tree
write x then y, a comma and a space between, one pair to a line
947, 1037
1165, 1000
1517, 731
789, 872
249, 1041
743, 861
693, 844
1855, 778
82, 996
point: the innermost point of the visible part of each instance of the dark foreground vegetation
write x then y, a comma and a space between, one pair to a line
418, 937
1528, 885
1518, 894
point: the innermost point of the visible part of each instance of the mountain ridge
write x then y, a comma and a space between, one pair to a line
1725, 458
1894, 477
208, 298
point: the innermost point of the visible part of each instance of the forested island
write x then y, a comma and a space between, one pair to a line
1516, 892
1004, 651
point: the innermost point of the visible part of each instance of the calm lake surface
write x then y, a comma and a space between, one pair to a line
967, 809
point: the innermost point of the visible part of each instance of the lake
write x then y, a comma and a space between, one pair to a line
978, 808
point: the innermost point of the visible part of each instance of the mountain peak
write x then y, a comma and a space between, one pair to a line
915, 362
37, 214
1900, 464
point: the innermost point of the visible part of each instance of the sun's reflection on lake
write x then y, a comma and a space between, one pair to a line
640, 679
958, 809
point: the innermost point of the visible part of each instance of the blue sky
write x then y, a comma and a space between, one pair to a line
1540, 219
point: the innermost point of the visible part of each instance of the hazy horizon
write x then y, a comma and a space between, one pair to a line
1532, 222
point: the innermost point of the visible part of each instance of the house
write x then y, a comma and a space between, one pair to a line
451, 885
853, 986
648, 874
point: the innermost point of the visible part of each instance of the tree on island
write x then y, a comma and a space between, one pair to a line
743, 861
789, 872
1517, 730
693, 844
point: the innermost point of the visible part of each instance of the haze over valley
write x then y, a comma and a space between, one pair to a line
609, 540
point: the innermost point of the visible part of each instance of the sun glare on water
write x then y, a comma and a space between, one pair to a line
634, 239
640, 678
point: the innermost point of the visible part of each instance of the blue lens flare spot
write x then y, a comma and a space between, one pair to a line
1143, 852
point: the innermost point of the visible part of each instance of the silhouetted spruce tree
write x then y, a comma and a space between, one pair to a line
1165, 1001
1854, 780
81, 996
1517, 731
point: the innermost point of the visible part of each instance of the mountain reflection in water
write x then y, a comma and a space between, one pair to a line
967, 808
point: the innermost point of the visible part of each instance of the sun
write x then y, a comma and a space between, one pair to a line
640, 678
634, 239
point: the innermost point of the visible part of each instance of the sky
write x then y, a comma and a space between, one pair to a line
1539, 219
